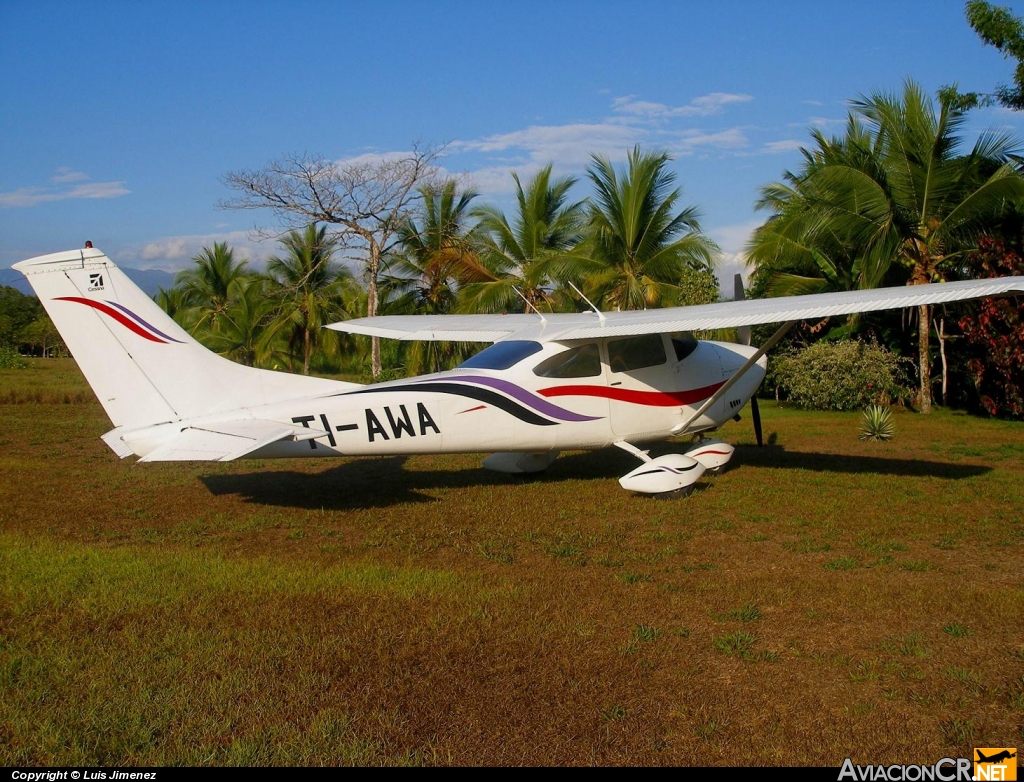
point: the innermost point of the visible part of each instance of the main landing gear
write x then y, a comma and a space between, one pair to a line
675, 473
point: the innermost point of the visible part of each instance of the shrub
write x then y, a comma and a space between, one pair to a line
877, 423
842, 376
9, 358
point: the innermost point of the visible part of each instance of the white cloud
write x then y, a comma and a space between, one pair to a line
824, 123
567, 145
703, 106
784, 145
688, 141
733, 238
173, 253
497, 180
59, 191
65, 174
733, 260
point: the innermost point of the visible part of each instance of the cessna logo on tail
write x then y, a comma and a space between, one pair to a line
95, 282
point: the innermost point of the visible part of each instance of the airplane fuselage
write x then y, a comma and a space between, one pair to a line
557, 396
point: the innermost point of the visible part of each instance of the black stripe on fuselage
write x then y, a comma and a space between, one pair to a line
472, 392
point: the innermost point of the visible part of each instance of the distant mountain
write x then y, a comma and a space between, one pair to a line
150, 280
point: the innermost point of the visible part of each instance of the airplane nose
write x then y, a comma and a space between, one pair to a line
733, 357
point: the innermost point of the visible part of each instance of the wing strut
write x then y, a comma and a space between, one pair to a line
680, 428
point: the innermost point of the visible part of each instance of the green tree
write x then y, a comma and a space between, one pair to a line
312, 290
638, 243
999, 27
436, 257
365, 200
797, 251
244, 334
16, 312
205, 288
902, 194
42, 335
530, 254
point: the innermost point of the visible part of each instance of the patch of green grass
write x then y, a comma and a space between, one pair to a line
495, 551
1016, 694
842, 563
915, 565
739, 643
701, 566
958, 732
807, 544
645, 633
964, 676
749, 612
709, 728
613, 713
908, 645
637, 578
956, 630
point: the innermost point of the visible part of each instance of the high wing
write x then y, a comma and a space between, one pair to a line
222, 441
727, 314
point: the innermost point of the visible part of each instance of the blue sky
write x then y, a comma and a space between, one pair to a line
118, 120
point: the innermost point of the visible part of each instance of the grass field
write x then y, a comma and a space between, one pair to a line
824, 598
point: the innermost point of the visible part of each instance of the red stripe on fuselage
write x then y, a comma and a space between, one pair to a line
128, 324
648, 398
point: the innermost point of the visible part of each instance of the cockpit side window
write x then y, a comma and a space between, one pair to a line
502, 355
582, 361
625, 355
684, 346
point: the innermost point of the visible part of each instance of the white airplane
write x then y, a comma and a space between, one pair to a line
548, 383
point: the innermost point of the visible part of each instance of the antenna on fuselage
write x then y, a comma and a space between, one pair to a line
530, 304
588, 301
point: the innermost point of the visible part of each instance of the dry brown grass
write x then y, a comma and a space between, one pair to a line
825, 598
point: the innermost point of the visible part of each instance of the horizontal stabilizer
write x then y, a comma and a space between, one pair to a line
227, 440
117, 445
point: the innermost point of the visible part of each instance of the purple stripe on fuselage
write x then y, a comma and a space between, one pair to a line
141, 322
527, 398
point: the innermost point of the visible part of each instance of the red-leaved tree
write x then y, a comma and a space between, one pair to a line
997, 330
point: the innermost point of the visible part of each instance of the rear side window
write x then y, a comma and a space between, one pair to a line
647, 350
584, 361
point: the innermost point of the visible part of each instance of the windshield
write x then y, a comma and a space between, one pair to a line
501, 355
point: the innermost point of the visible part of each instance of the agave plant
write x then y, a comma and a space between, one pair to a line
877, 424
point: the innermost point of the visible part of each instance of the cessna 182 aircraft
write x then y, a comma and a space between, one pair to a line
548, 383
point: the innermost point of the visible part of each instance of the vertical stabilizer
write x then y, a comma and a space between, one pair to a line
143, 366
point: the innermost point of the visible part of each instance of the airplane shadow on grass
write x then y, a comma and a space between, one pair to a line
384, 481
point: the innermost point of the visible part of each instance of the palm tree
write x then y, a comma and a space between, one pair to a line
205, 286
528, 256
803, 253
312, 289
639, 245
435, 259
902, 194
244, 334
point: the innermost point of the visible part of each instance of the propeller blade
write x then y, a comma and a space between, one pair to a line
755, 415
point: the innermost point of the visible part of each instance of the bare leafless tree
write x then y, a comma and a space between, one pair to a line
365, 200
